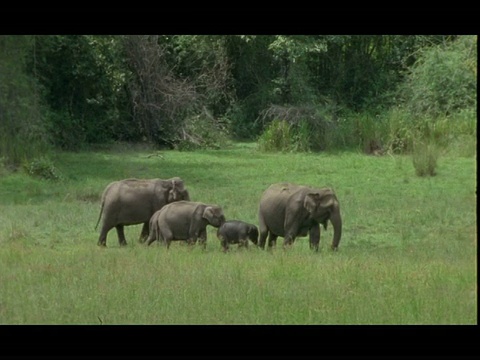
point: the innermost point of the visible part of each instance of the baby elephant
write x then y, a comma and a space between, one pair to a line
237, 232
184, 220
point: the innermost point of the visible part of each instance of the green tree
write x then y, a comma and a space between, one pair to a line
179, 88
83, 85
443, 80
22, 133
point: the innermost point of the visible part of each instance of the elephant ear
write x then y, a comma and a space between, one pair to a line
209, 213
172, 194
177, 184
171, 197
176, 190
326, 201
311, 201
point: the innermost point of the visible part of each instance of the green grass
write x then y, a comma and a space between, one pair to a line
407, 255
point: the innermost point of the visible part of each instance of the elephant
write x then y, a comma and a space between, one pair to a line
134, 201
184, 220
237, 232
291, 210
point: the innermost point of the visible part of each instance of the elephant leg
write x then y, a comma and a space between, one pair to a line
225, 246
102, 239
203, 238
314, 237
191, 241
121, 235
272, 240
262, 239
243, 243
288, 239
224, 243
151, 238
263, 232
145, 232
165, 236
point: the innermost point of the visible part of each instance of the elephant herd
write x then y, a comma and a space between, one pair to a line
167, 213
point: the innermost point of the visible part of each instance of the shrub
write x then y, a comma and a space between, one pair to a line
282, 136
297, 128
276, 137
447, 132
302, 138
43, 168
424, 157
202, 132
443, 80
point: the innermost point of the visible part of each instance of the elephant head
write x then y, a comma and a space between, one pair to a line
177, 191
253, 234
214, 215
323, 206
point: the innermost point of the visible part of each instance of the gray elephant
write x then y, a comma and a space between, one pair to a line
290, 210
184, 220
237, 232
134, 201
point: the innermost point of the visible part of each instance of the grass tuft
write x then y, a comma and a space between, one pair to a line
425, 158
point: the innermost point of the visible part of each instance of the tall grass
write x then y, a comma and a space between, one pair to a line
407, 255
394, 131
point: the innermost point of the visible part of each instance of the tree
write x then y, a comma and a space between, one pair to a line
82, 79
22, 132
160, 100
443, 80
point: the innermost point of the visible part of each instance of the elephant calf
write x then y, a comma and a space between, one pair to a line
184, 220
237, 232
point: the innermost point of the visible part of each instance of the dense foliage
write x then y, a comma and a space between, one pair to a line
189, 92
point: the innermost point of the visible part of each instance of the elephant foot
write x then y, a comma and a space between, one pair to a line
314, 247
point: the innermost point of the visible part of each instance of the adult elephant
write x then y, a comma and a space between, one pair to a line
184, 220
134, 201
290, 210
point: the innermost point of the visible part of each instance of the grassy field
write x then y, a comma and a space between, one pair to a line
407, 255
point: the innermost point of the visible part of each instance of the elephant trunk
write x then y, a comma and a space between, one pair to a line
336, 220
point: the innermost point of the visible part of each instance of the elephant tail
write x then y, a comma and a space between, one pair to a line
101, 211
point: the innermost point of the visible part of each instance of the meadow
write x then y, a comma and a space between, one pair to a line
407, 254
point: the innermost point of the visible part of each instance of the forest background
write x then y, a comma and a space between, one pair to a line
374, 93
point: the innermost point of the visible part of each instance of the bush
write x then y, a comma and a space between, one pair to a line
447, 132
277, 137
443, 80
202, 132
298, 128
424, 157
43, 168
401, 131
